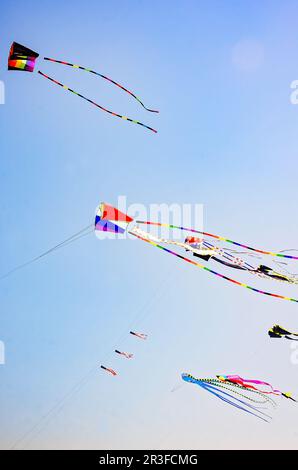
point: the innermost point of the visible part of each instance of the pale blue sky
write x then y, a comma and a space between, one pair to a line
220, 73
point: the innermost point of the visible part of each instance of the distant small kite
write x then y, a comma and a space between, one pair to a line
23, 59
278, 332
139, 335
107, 369
125, 354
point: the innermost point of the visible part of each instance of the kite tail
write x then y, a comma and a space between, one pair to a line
211, 271
217, 237
231, 387
292, 339
243, 382
96, 104
104, 77
233, 401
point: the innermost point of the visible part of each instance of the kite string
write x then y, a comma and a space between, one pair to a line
96, 104
55, 408
139, 317
102, 76
62, 244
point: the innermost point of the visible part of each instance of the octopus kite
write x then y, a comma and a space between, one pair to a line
247, 395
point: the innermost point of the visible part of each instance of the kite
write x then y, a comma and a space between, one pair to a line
110, 371
23, 59
112, 220
205, 250
139, 335
278, 332
229, 390
125, 354
109, 219
231, 394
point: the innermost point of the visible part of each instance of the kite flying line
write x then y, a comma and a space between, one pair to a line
143, 312
82, 233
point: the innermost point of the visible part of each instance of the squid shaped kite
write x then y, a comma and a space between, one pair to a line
247, 395
110, 219
23, 59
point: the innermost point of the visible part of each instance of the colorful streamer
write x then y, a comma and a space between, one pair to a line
256, 250
104, 77
226, 397
270, 294
96, 104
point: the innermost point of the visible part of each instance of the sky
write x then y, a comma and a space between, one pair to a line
220, 74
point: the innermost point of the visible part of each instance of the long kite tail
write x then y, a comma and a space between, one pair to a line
96, 104
246, 393
244, 382
232, 400
104, 77
201, 266
217, 237
209, 249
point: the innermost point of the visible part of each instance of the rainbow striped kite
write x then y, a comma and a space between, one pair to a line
23, 59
